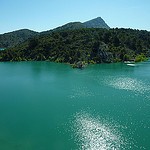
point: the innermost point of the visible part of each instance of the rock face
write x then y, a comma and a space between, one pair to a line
96, 23
79, 64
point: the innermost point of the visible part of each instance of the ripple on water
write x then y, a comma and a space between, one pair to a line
93, 134
81, 92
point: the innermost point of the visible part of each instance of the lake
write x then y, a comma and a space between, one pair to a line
50, 106
2, 48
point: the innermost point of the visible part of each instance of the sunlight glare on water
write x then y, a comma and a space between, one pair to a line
127, 83
96, 134
51, 106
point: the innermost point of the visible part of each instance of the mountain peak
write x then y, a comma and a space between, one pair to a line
96, 23
97, 18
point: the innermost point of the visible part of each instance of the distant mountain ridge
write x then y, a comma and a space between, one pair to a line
66, 27
96, 23
20, 36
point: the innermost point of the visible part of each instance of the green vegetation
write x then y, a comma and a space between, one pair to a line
20, 36
66, 27
16, 37
141, 57
94, 23
88, 45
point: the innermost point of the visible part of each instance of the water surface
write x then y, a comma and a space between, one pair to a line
46, 105
2, 48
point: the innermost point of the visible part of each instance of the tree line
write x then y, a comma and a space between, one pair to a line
89, 45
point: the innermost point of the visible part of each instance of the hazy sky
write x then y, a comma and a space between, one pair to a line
40, 15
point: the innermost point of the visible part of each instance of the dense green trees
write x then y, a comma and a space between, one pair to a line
141, 57
16, 37
88, 45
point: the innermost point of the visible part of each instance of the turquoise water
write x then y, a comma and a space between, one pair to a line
50, 106
2, 48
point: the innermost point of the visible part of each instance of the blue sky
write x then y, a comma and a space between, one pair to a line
41, 15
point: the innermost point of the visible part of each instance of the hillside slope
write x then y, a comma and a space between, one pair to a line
16, 37
66, 27
88, 45
20, 36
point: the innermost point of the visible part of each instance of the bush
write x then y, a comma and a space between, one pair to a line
141, 57
92, 62
126, 57
117, 60
74, 65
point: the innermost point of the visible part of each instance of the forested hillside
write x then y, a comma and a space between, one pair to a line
20, 36
87, 45
16, 37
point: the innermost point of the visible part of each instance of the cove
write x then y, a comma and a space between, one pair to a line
45, 105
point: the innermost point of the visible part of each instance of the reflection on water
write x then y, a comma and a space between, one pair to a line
127, 83
96, 134
43, 96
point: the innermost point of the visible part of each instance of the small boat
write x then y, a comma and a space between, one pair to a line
131, 64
